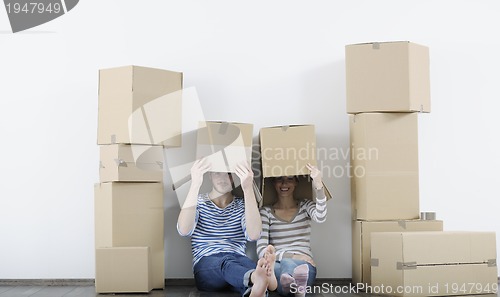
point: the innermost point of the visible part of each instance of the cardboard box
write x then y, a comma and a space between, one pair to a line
361, 232
123, 270
131, 215
434, 263
387, 77
384, 166
285, 151
131, 163
139, 105
225, 144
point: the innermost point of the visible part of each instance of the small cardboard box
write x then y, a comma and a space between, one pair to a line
131, 215
140, 105
434, 263
131, 163
384, 166
361, 232
225, 144
387, 77
285, 151
123, 270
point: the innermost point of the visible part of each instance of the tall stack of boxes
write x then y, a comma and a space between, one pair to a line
139, 114
387, 85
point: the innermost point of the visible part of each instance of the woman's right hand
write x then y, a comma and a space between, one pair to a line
199, 168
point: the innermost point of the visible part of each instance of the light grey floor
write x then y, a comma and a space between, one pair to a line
89, 291
169, 291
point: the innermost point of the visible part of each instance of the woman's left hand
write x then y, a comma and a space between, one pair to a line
316, 176
245, 174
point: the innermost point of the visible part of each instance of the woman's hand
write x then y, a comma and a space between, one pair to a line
245, 175
316, 176
199, 168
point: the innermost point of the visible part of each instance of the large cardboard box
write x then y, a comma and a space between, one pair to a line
434, 263
139, 105
384, 166
131, 163
131, 215
387, 77
361, 232
225, 144
123, 270
285, 151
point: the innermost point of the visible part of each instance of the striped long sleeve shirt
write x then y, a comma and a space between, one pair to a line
218, 230
291, 237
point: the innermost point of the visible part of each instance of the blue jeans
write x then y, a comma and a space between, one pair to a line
224, 271
287, 265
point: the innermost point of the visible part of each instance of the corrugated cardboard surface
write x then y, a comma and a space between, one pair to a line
225, 144
123, 270
285, 151
384, 163
139, 105
361, 232
440, 263
387, 77
131, 215
131, 163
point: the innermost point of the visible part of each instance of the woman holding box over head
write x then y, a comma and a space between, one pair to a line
219, 225
287, 226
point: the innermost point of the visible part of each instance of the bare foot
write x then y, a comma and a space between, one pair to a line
270, 256
259, 279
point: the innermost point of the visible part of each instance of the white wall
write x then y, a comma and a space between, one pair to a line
262, 62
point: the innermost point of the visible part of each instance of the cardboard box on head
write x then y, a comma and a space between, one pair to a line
285, 151
224, 144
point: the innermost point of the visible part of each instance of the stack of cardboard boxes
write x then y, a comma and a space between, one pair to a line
387, 84
139, 114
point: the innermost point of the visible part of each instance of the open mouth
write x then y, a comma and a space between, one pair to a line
284, 189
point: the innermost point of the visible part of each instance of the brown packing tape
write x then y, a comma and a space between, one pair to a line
406, 265
223, 128
402, 224
492, 262
376, 45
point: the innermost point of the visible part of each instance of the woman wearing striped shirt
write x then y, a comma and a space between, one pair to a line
219, 225
287, 226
